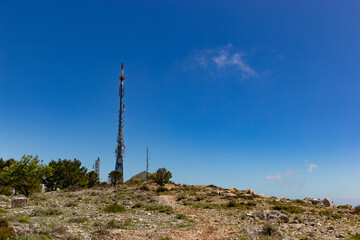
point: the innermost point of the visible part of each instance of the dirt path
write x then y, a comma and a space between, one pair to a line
207, 227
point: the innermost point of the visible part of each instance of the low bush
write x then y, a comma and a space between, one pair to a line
116, 224
240, 205
355, 237
46, 212
159, 208
348, 207
288, 208
162, 189
269, 229
3, 211
24, 220
79, 220
180, 197
299, 201
6, 231
181, 216
71, 204
138, 205
114, 208
231, 204
357, 209
144, 188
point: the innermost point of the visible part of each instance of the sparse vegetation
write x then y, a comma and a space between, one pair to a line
3, 211
78, 220
24, 220
159, 208
269, 229
355, 237
162, 189
130, 209
6, 231
357, 210
181, 216
144, 188
46, 212
288, 208
348, 207
114, 208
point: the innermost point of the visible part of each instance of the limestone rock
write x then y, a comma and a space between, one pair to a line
314, 201
328, 203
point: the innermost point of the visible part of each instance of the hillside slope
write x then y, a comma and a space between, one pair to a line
136, 211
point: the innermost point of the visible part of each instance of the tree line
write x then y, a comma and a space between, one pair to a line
29, 174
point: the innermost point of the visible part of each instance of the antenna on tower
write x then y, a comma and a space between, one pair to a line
147, 164
97, 167
120, 147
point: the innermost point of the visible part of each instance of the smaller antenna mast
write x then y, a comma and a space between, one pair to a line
97, 167
147, 164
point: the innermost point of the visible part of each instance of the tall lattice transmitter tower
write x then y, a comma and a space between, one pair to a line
120, 147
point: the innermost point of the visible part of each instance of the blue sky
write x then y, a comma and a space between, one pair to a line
245, 94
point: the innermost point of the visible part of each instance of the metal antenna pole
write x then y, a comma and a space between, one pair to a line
147, 164
120, 148
97, 167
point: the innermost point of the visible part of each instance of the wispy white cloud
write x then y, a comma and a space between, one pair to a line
313, 167
288, 179
224, 57
276, 177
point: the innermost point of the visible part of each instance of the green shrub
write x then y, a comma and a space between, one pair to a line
46, 212
231, 204
6, 231
348, 207
138, 205
337, 215
269, 229
180, 197
115, 224
181, 216
159, 208
298, 201
114, 208
357, 209
70, 204
325, 213
144, 188
355, 237
240, 205
162, 189
3, 211
79, 220
288, 208
24, 220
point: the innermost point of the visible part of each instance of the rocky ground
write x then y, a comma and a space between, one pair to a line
145, 211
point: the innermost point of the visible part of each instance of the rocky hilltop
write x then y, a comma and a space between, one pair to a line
147, 211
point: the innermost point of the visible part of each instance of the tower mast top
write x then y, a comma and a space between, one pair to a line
122, 73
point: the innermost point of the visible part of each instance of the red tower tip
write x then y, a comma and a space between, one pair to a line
122, 73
